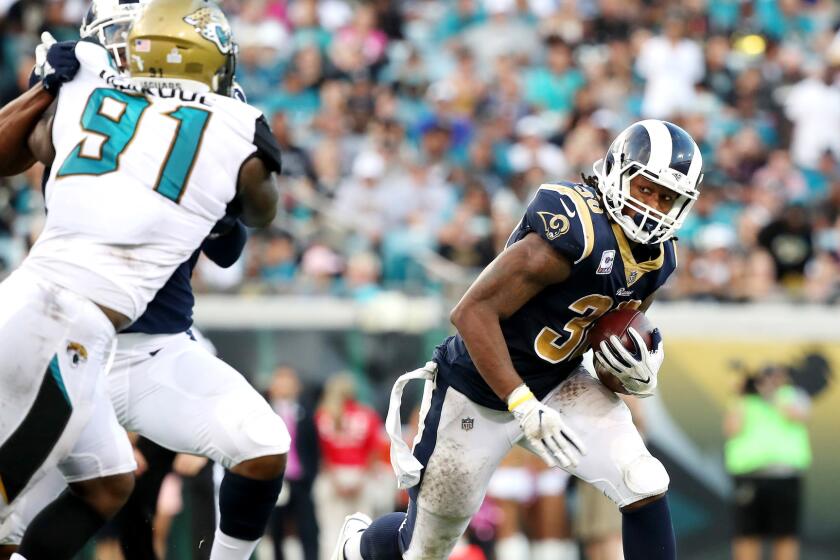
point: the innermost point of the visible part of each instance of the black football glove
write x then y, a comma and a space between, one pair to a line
62, 59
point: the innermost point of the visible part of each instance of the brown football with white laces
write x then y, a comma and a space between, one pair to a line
616, 323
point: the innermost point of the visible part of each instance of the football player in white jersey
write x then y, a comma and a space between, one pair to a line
141, 170
165, 386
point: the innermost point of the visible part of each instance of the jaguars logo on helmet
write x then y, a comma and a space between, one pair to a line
206, 22
182, 44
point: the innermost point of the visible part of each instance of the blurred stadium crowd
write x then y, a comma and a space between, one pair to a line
414, 132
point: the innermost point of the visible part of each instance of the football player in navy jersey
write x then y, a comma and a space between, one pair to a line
167, 387
512, 374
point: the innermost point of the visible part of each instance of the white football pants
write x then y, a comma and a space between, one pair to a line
54, 349
462, 443
171, 390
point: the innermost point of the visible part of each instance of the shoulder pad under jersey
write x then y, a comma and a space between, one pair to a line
561, 213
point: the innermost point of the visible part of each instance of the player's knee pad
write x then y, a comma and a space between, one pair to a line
644, 477
265, 433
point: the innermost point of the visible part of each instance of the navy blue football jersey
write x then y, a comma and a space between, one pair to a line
171, 310
547, 337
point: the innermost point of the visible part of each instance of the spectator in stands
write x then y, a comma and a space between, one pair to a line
503, 33
482, 165
505, 101
718, 76
297, 509
756, 84
276, 258
458, 16
553, 86
361, 202
349, 434
320, 268
361, 277
714, 270
467, 239
297, 165
767, 452
467, 86
671, 65
813, 106
444, 131
358, 49
533, 150
781, 179
789, 241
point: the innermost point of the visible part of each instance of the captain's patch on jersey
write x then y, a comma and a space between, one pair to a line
606, 264
555, 224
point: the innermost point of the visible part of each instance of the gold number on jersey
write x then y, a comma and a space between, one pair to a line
630, 304
590, 308
590, 199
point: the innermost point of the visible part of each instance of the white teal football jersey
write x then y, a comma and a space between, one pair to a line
138, 181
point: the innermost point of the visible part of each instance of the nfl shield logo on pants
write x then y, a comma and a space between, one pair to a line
467, 424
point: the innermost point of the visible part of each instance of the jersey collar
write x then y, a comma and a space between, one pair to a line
633, 271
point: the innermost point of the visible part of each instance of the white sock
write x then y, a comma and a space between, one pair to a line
229, 548
16, 556
555, 549
513, 548
353, 547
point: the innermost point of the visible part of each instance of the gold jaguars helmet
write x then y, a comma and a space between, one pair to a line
182, 44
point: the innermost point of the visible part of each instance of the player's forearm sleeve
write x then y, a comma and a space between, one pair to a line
226, 249
17, 120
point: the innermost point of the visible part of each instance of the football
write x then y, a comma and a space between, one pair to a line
616, 323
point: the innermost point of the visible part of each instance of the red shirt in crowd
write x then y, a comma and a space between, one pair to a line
354, 440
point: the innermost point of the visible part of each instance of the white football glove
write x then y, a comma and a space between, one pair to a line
637, 373
42, 67
545, 429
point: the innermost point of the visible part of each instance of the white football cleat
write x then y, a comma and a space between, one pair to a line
352, 524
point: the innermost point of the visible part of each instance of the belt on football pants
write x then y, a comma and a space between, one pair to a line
405, 464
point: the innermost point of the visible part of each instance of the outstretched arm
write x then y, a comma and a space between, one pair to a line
18, 121
26, 122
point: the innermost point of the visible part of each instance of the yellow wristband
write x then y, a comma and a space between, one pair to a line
520, 395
